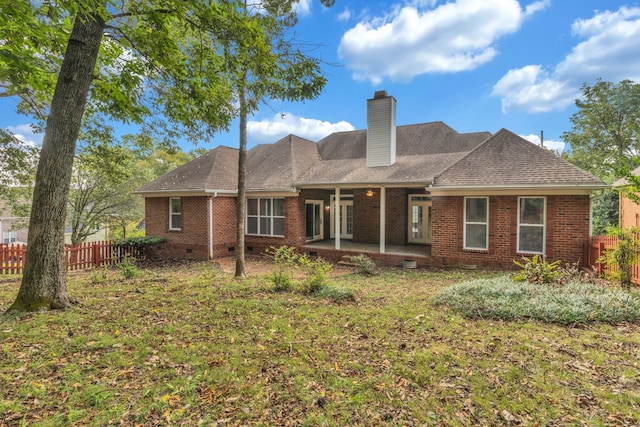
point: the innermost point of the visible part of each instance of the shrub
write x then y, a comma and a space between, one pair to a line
317, 270
573, 303
140, 243
284, 257
128, 267
536, 270
364, 264
623, 257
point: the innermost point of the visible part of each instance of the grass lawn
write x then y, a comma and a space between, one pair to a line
189, 345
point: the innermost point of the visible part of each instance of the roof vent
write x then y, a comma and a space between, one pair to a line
381, 129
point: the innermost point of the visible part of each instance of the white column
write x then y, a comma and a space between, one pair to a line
337, 219
383, 214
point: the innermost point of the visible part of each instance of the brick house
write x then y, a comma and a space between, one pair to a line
421, 192
628, 211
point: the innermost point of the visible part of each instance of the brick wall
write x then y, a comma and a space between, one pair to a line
566, 233
629, 213
192, 241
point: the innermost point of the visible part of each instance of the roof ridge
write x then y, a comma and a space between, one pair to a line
435, 178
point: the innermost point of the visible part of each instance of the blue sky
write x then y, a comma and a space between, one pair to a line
476, 65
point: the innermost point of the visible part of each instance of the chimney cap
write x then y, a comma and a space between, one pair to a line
380, 94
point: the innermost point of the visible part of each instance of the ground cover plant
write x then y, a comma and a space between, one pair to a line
187, 345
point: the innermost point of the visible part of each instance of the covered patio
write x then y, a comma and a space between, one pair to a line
394, 254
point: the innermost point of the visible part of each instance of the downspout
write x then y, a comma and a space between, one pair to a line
336, 220
383, 214
215, 194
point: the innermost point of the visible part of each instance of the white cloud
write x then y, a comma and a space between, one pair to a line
550, 144
281, 125
344, 15
610, 50
423, 38
26, 134
303, 7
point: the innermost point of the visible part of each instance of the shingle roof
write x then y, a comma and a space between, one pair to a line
507, 159
426, 153
278, 166
622, 182
215, 170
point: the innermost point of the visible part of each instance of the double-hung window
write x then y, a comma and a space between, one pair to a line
265, 216
175, 213
531, 224
476, 223
9, 236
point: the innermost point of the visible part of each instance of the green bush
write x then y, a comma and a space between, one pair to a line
572, 303
286, 259
128, 267
536, 270
140, 243
317, 270
364, 264
623, 257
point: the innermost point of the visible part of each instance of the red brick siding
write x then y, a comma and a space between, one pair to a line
192, 241
629, 212
567, 231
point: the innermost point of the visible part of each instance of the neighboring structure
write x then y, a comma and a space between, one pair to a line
422, 192
629, 211
13, 229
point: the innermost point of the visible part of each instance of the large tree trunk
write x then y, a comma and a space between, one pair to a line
241, 202
44, 284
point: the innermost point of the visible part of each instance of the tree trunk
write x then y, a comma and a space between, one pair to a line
241, 202
44, 284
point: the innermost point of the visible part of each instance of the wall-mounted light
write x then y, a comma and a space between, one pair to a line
369, 193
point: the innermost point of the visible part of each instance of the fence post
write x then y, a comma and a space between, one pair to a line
600, 253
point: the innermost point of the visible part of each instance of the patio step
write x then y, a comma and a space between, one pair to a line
346, 261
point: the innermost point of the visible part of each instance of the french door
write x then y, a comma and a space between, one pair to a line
345, 218
419, 219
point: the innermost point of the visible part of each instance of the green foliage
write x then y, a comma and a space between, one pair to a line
536, 270
623, 257
317, 270
604, 139
287, 260
140, 242
128, 267
572, 303
605, 212
364, 264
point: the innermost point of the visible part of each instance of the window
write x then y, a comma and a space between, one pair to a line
476, 223
265, 217
9, 236
531, 224
175, 213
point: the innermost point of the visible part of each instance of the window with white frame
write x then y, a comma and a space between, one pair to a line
265, 216
531, 224
175, 213
9, 236
476, 223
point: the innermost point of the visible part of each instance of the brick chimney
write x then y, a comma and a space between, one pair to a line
381, 129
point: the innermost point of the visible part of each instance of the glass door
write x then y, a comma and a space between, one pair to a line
420, 220
313, 220
346, 218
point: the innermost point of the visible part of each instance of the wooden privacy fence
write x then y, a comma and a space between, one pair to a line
595, 249
78, 257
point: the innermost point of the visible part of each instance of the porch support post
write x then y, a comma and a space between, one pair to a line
337, 219
383, 215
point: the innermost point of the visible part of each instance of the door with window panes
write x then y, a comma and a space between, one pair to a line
419, 219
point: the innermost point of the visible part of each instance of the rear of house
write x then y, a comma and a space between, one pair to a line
422, 192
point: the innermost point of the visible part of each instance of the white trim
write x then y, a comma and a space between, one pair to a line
425, 201
383, 215
259, 215
520, 190
314, 203
171, 213
543, 225
465, 223
337, 219
211, 227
